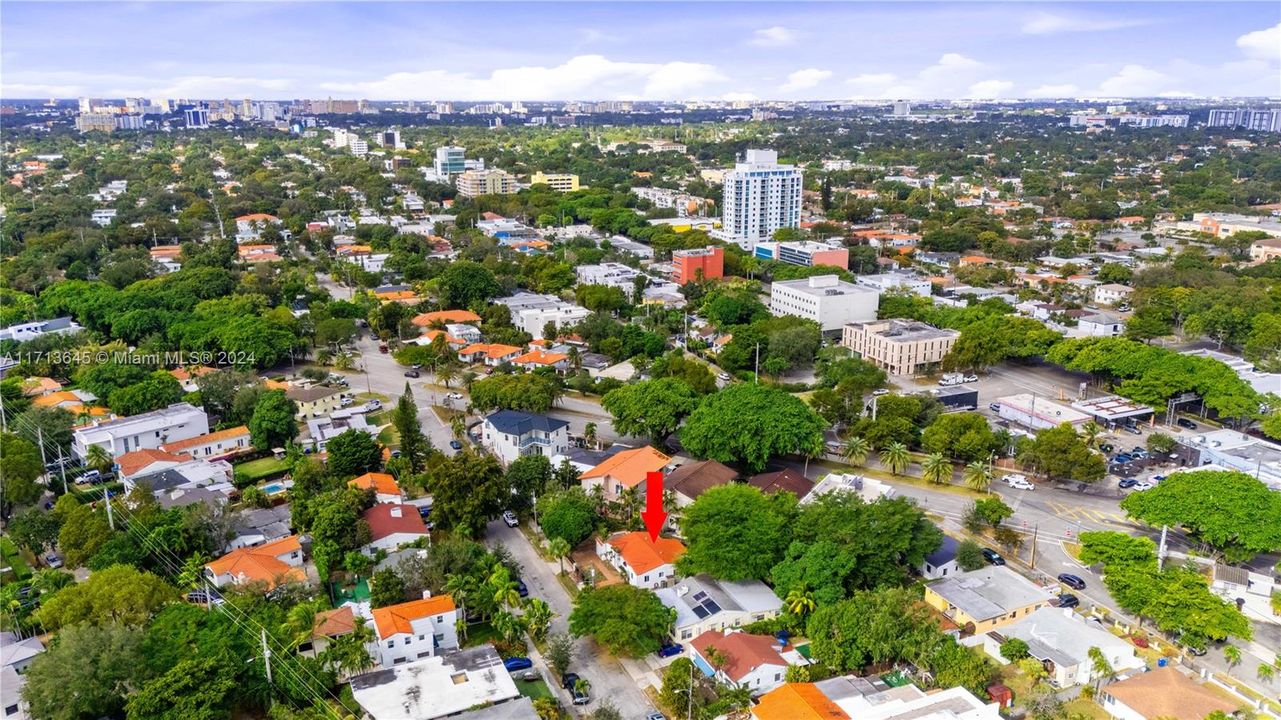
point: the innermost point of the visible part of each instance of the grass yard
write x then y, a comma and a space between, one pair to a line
533, 689
13, 559
480, 634
261, 469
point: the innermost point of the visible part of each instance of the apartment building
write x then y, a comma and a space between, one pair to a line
900, 347
698, 264
805, 253
531, 312
1225, 224
472, 183
612, 274
560, 182
825, 299
1248, 118
760, 196
179, 421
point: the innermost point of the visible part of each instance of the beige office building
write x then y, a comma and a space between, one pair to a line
900, 347
560, 182
485, 182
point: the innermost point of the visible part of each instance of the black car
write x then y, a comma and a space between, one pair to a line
569, 682
521, 588
1107, 448
1185, 423
1072, 581
412, 374
993, 557
1127, 483
1068, 600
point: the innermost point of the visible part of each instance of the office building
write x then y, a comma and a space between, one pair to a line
760, 197
560, 182
612, 274
825, 299
358, 147
450, 161
390, 138
1246, 118
805, 253
1225, 224
902, 108
698, 264
472, 183
900, 347
197, 118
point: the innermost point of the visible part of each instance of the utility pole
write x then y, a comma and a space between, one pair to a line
756, 374
1160, 555
44, 464
1035, 528
62, 466
689, 714
106, 497
266, 655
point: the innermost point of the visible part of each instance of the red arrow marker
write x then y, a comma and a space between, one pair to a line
654, 515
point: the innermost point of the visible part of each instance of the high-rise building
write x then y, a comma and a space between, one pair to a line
358, 147
760, 197
698, 264
86, 105
1268, 120
902, 108
485, 182
197, 118
129, 122
390, 138
450, 160
89, 122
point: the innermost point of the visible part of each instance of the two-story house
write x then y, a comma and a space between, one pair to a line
415, 629
645, 563
271, 564
392, 525
624, 471
510, 434
212, 446
146, 430
315, 400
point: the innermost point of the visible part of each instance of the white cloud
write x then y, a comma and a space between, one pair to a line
776, 36
1136, 81
72, 84
592, 76
1262, 44
804, 79
738, 97
1051, 24
1054, 91
990, 88
954, 75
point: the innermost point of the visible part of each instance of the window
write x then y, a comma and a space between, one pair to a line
405, 641
391, 643
11, 710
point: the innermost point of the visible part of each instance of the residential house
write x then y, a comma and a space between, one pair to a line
444, 317
510, 434
147, 430
1162, 693
258, 525
868, 489
755, 662
392, 525
314, 400
329, 625
690, 480
942, 562
797, 701
986, 599
187, 376
322, 430
38, 386
416, 629
271, 564
1112, 293
468, 334
703, 603
786, 480
1100, 324
625, 471
23, 332
385, 488
492, 355
468, 684
16, 654
77, 402
532, 312
1062, 641
539, 358
215, 445
645, 563
136, 463
249, 227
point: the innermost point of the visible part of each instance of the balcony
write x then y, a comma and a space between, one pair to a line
534, 440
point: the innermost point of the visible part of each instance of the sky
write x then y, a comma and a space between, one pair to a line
639, 50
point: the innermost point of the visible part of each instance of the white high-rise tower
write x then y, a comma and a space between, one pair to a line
760, 197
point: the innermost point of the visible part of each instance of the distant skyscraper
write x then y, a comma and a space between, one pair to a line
902, 108
197, 118
86, 105
1248, 118
760, 197
390, 138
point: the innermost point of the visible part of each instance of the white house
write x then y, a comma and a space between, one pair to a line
16, 653
1100, 324
756, 662
531, 312
703, 603
22, 332
392, 525
214, 445
273, 563
1061, 640
1112, 293
415, 629
468, 684
644, 563
1163, 693
510, 434
179, 421
941, 562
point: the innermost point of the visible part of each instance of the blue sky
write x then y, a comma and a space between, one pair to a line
639, 50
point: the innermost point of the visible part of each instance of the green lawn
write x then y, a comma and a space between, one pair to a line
533, 689
480, 634
13, 559
261, 469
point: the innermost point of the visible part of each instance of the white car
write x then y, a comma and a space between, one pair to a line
971, 378
723, 377
455, 396
1018, 482
879, 392
1143, 485
510, 519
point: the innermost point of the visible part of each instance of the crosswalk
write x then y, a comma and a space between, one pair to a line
1086, 515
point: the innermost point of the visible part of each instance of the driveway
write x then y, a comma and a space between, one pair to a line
606, 674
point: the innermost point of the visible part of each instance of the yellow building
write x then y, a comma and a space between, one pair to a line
560, 182
982, 600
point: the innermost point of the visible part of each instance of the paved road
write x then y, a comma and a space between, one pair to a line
607, 677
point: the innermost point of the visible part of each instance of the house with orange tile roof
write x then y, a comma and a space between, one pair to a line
271, 564
352, 250
645, 563
491, 354
329, 625
392, 525
75, 402
215, 445
249, 227
755, 662
258, 253
415, 629
445, 317
37, 386
1163, 693
404, 297
624, 471
146, 462
539, 358
430, 336
384, 486
188, 375
797, 701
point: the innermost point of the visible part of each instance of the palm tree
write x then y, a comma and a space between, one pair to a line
976, 476
559, 547
460, 587
1101, 667
936, 469
800, 601
504, 588
301, 622
349, 653
856, 451
446, 374
589, 434
97, 458
896, 458
1231, 655
630, 502
1266, 672
507, 625
1091, 431
457, 426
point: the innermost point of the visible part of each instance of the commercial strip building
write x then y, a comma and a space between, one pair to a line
806, 253
900, 347
1038, 413
1232, 450
1109, 410
760, 197
826, 299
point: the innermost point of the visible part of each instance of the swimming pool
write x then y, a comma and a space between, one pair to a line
273, 489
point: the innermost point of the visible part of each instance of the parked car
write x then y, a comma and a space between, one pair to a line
1185, 423
994, 407
374, 404
1072, 581
1127, 483
1123, 458
1139, 451
93, 477
656, 716
412, 374
383, 349
455, 445
1132, 429
570, 682
454, 396
1068, 600
1143, 485
970, 378
510, 519
1018, 482
53, 560
521, 588
879, 392
671, 650
723, 377
993, 557
517, 663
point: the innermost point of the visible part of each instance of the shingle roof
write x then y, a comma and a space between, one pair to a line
945, 553
388, 519
694, 479
743, 652
514, 422
788, 480
399, 618
1168, 693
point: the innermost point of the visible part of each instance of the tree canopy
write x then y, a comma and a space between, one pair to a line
1231, 512
752, 423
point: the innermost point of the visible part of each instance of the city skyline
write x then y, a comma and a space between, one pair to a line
642, 51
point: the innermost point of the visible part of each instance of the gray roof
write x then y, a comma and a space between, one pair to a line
945, 553
1056, 634
989, 592
698, 597
14, 650
514, 422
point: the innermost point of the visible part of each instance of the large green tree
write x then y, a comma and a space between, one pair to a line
736, 532
467, 492
1231, 512
202, 688
117, 594
624, 619
1060, 453
20, 467
353, 452
414, 445
532, 392
568, 514
87, 673
650, 408
272, 424
465, 283
752, 423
